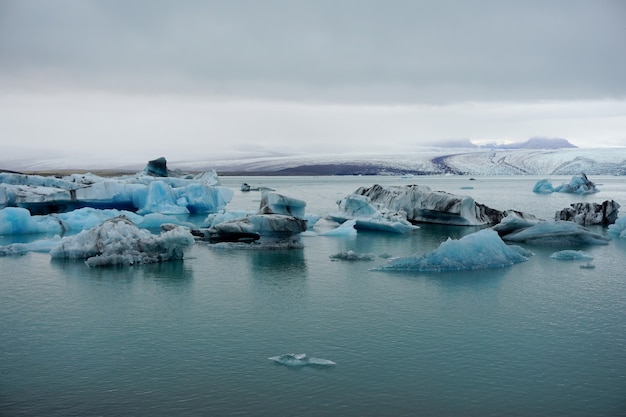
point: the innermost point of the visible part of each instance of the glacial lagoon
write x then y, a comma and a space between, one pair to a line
193, 337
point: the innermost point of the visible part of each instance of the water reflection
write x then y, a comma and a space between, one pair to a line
170, 273
278, 265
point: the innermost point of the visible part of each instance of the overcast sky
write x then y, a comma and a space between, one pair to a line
198, 79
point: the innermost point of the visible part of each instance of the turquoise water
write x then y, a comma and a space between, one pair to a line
189, 338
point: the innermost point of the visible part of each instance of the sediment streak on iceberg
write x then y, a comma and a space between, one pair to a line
480, 250
421, 204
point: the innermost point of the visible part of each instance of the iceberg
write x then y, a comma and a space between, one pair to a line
515, 220
590, 213
344, 229
618, 228
479, 250
279, 218
300, 359
557, 233
119, 241
368, 217
43, 245
421, 204
571, 255
147, 192
579, 184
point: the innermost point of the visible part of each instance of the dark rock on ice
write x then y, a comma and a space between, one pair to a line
590, 213
157, 168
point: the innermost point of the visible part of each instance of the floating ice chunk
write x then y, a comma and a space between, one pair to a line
557, 233
579, 184
368, 217
345, 229
301, 359
161, 199
571, 255
245, 187
214, 219
119, 242
353, 256
618, 228
43, 245
17, 220
479, 250
273, 203
590, 213
543, 186
588, 265
253, 227
421, 204
515, 220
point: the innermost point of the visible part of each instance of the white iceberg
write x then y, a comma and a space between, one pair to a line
479, 250
119, 242
515, 220
344, 229
368, 217
301, 359
557, 233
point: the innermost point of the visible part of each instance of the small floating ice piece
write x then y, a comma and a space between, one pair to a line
300, 359
571, 255
588, 265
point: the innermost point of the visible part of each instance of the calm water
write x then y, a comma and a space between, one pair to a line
191, 338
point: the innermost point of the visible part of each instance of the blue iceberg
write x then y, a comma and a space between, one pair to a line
618, 228
579, 184
479, 250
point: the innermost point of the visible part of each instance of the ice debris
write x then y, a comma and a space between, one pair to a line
119, 242
579, 184
479, 250
571, 255
353, 256
300, 359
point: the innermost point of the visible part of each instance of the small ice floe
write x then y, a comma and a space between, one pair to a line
571, 255
352, 256
588, 265
300, 359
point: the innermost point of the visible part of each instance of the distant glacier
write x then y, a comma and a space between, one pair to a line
418, 160
432, 161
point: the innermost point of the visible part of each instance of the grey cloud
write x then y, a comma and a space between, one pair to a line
359, 51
